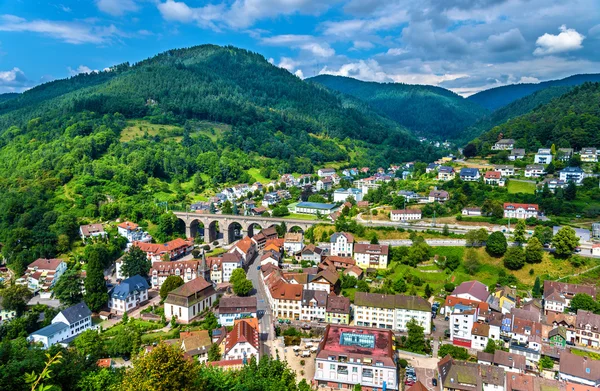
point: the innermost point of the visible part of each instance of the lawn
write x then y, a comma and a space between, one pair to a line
583, 353
160, 336
299, 216
143, 325
137, 128
255, 173
520, 187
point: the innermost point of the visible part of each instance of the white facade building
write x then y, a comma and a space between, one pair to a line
342, 244
391, 312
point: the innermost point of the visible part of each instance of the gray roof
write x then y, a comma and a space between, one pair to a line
129, 285
76, 312
469, 171
318, 295
51, 329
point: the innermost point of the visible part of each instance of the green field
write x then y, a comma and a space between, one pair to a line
138, 128
301, 216
521, 187
255, 173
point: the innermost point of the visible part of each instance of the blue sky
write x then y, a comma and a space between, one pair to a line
463, 45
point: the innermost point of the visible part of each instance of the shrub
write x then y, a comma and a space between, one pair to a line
403, 363
302, 362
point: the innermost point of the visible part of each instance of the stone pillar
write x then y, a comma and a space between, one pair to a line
208, 237
188, 230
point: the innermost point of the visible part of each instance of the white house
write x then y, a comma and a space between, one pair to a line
520, 211
189, 300
505, 144
129, 294
42, 274
371, 255
293, 242
505, 170
469, 174
391, 312
543, 156
324, 172
270, 257
589, 155
516, 154
133, 232
65, 326
461, 323
242, 343
91, 231
405, 214
232, 308
310, 253
342, 244
471, 211
325, 184
314, 305
572, 174
534, 171
341, 195
230, 262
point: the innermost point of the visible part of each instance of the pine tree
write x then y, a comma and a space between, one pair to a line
537, 289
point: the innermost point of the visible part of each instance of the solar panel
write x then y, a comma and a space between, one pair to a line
361, 340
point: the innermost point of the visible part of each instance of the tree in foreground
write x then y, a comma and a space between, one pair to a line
514, 259
135, 261
496, 244
415, 342
96, 293
534, 252
170, 283
565, 241
68, 288
15, 298
490, 347
537, 288
519, 232
583, 301
163, 369
214, 353
242, 286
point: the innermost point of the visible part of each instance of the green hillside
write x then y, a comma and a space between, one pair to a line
426, 110
172, 128
495, 98
569, 121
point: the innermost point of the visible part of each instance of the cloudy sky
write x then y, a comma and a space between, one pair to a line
463, 45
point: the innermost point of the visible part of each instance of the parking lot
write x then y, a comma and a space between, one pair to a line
424, 375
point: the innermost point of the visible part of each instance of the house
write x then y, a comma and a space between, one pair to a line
371, 255
588, 155
132, 232
339, 263
578, 369
230, 262
326, 280
534, 171
372, 310
91, 231
314, 304
169, 251
543, 156
553, 184
526, 340
516, 154
128, 295
453, 301
445, 173
341, 195
323, 172
337, 310
465, 376
564, 154
587, 329
187, 270
272, 257
354, 355
325, 184
189, 300
505, 170
493, 178
438, 196
260, 239
242, 343
520, 211
350, 172
557, 337
409, 195
431, 167
480, 335
200, 207
405, 214
471, 211
293, 242
507, 298
469, 174
505, 144
42, 274
572, 174
195, 344
246, 248
342, 244
310, 253
232, 308
462, 319
354, 271
558, 295
286, 299
513, 363
65, 326
471, 290
270, 199
314, 208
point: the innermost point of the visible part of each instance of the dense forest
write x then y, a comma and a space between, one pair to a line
495, 98
64, 157
426, 110
570, 121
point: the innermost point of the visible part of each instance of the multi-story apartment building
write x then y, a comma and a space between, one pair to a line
189, 300
169, 251
462, 319
445, 173
342, 244
572, 174
543, 156
520, 211
371, 255
505, 144
353, 355
187, 270
405, 215
130, 293
337, 310
42, 274
65, 326
587, 330
232, 308
589, 155
391, 311
314, 304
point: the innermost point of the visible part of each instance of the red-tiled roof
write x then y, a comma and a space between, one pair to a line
245, 244
242, 332
154, 248
512, 205
493, 175
128, 225
45, 264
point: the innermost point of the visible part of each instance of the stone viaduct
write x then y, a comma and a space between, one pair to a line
212, 224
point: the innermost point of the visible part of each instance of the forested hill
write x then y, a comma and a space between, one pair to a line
495, 98
569, 121
7, 96
426, 110
517, 108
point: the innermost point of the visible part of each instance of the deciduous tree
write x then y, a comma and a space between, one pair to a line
170, 283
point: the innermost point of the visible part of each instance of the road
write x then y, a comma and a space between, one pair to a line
263, 310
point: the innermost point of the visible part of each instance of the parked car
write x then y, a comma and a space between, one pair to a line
434, 382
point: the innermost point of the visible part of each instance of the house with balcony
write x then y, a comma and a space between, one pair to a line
520, 211
505, 144
42, 274
128, 295
445, 173
589, 155
91, 231
438, 196
564, 154
543, 156
243, 342
190, 300
169, 251
391, 312
348, 356
342, 244
187, 270
371, 255
534, 171
505, 170
572, 174
587, 330
469, 174
233, 307
516, 154
493, 178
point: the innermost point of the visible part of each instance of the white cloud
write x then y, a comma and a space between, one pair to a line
368, 70
288, 63
14, 80
299, 73
396, 51
176, 11
116, 7
81, 69
308, 43
70, 32
567, 40
360, 45
529, 79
